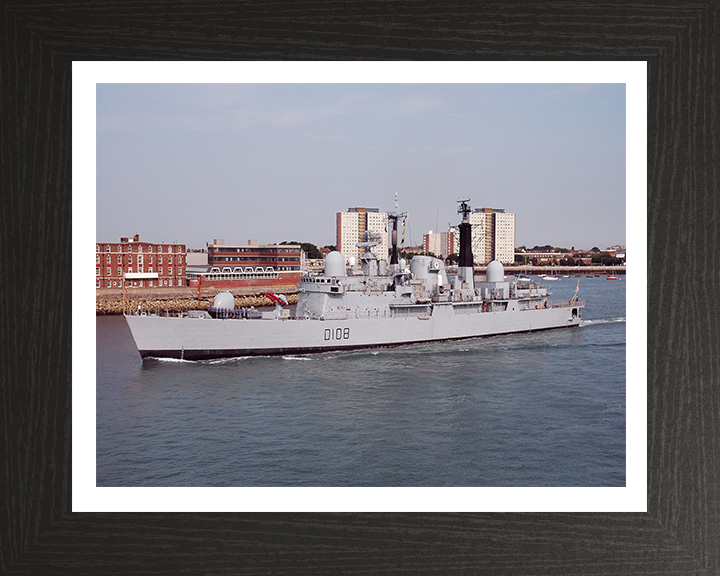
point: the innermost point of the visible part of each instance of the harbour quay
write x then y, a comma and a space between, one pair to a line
180, 299
572, 270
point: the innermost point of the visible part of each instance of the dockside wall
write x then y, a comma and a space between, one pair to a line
173, 300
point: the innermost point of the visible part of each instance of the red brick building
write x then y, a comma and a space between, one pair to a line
131, 255
251, 264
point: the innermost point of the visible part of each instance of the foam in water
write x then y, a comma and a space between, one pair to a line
602, 321
228, 360
170, 360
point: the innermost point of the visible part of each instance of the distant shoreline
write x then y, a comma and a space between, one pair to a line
576, 270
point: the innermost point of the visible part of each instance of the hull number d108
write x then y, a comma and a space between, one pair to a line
337, 333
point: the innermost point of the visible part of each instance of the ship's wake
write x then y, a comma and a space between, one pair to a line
168, 360
617, 320
229, 360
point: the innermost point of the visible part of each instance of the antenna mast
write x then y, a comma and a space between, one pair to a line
394, 216
464, 208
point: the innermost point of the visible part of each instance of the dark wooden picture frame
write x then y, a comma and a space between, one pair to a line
680, 532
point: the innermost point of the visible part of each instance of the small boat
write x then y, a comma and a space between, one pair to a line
552, 277
612, 276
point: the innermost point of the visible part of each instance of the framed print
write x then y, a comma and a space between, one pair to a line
678, 532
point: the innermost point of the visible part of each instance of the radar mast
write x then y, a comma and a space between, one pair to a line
466, 266
394, 217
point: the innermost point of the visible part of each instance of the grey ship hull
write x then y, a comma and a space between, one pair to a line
205, 338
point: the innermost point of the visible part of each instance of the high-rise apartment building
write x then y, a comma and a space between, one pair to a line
441, 244
351, 228
493, 235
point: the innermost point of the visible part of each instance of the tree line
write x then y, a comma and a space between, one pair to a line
597, 256
312, 251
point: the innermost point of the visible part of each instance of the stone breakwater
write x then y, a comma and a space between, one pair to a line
176, 300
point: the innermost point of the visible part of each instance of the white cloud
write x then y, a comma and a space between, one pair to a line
417, 104
296, 118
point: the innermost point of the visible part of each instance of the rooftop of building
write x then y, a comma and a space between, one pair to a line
218, 242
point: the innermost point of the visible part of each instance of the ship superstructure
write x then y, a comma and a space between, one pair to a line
379, 305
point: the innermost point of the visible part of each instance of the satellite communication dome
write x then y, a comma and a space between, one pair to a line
403, 263
420, 266
495, 272
334, 264
224, 300
351, 261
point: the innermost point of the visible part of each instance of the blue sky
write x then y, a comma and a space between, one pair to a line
195, 162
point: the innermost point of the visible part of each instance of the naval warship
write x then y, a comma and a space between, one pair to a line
383, 305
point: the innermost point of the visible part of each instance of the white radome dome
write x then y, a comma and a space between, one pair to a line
224, 300
334, 264
495, 272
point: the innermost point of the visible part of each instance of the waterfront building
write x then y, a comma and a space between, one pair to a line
537, 258
493, 235
197, 257
246, 265
134, 256
352, 226
618, 251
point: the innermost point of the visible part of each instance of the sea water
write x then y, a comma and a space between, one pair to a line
535, 409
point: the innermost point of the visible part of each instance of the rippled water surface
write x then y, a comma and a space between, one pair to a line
539, 409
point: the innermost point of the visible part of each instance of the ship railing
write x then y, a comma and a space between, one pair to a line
566, 303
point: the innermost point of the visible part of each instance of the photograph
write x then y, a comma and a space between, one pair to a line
361, 285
